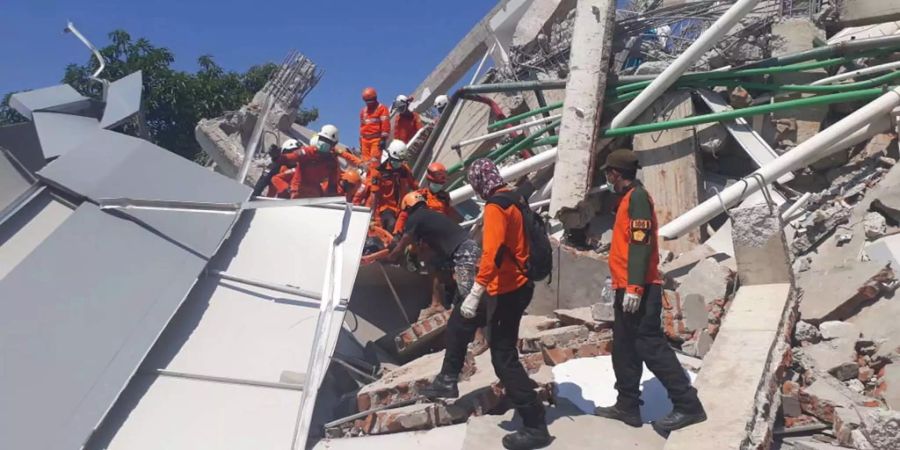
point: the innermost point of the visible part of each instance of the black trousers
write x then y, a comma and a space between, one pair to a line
638, 338
504, 355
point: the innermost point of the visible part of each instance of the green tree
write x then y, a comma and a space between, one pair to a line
173, 101
307, 116
8, 115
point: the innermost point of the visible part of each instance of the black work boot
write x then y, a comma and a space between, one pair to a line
443, 386
631, 416
528, 438
678, 419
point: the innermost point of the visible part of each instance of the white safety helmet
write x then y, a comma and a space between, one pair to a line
440, 102
289, 145
397, 150
401, 99
330, 133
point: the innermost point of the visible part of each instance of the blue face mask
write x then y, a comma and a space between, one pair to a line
435, 187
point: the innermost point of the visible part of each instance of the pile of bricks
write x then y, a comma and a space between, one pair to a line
421, 332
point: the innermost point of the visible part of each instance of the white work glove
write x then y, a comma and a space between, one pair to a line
470, 305
631, 302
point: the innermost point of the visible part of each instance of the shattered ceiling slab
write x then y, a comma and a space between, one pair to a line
113, 165
26, 103
240, 335
77, 317
21, 140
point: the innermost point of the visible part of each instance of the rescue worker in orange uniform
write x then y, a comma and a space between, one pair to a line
374, 127
317, 169
350, 181
638, 338
436, 198
386, 185
406, 123
505, 252
280, 182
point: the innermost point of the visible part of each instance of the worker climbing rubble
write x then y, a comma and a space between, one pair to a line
446, 244
279, 185
374, 127
386, 185
406, 122
502, 274
637, 332
317, 169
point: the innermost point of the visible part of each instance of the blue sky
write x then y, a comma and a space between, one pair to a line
389, 44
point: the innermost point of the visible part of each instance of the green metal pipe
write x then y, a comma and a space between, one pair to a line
529, 141
744, 112
509, 120
829, 88
493, 154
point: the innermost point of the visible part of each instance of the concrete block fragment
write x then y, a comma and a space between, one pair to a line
846, 372
845, 421
581, 316
874, 225
825, 394
760, 246
698, 346
804, 332
531, 325
881, 428
790, 399
693, 309
835, 329
829, 356
562, 336
603, 312
838, 292
707, 278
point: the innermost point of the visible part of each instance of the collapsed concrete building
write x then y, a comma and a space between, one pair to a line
767, 132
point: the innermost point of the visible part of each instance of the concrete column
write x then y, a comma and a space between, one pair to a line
760, 246
579, 141
669, 165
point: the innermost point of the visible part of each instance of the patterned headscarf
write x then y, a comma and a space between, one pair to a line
484, 177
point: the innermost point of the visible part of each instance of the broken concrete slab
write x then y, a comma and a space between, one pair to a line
708, 279
581, 316
831, 356
837, 293
578, 280
532, 325
739, 384
836, 329
875, 226
867, 12
603, 312
805, 332
567, 425
403, 383
823, 396
693, 308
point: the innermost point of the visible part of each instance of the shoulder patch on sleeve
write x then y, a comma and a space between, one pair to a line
640, 231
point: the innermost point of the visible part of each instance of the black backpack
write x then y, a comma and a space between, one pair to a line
540, 254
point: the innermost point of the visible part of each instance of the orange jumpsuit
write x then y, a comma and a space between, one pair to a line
280, 184
313, 168
435, 201
384, 189
406, 125
374, 126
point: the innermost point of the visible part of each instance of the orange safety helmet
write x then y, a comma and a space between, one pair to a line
351, 176
369, 94
412, 199
437, 173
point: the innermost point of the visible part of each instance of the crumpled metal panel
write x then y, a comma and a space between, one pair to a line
113, 165
123, 100
59, 133
77, 316
26, 103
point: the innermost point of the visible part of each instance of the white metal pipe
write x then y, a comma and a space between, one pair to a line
878, 125
70, 27
509, 173
796, 206
504, 131
706, 41
811, 150
857, 73
481, 64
